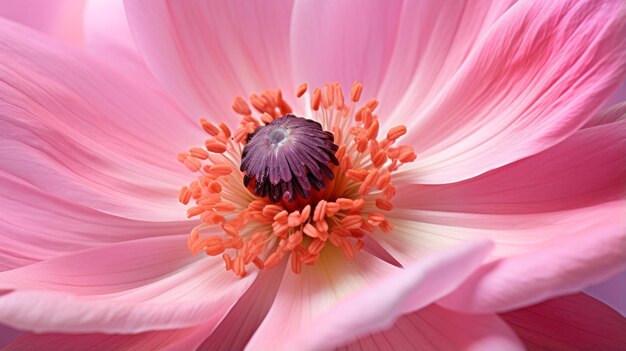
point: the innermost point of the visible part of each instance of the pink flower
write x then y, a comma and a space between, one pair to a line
508, 199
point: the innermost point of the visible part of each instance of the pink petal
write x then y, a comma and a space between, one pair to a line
309, 302
575, 322
59, 18
610, 114
36, 226
206, 53
520, 206
586, 169
432, 41
82, 132
236, 329
611, 292
435, 328
108, 35
344, 41
129, 287
586, 256
177, 339
536, 77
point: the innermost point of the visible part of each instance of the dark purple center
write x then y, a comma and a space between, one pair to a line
288, 157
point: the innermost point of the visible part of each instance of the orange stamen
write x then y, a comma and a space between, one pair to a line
260, 233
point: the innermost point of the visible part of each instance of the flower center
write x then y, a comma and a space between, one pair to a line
285, 187
288, 157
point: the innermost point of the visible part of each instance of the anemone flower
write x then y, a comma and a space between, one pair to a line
371, 175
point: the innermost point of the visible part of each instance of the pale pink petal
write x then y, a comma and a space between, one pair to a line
433, 39
586, 169
610, 114
435, 328
612, 292
304, 297
521, 206
206, 53
129, 287
107, 34
78, 130
575, 322
248, 313
560, 267
380, 304
36, 225
59, 18
536, 77
344, 41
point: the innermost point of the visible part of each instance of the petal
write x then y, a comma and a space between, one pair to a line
304, 297
59, 18
8, 334
612, 292
150, 284
574, 322
36, 226
343, 41
248, 313
432, 41
108, 35
521, 206
435, 328
76, 129
177, 339
610, 114
207, 53
305, 303
586, 169
584, 257
535, 78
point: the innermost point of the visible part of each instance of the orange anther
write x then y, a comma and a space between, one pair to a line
355, 92
225, 129
316, 100
301, 89
384, 205
396, 132
240, 106
192, 164
220, 169
215, 147
184, 195
357, 174
311, 231
198, 153
209, 128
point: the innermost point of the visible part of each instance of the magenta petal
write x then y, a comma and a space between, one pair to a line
172, 340
128, 287
542, 70
574, 322
435, 328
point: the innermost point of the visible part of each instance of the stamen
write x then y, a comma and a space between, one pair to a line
283, 186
